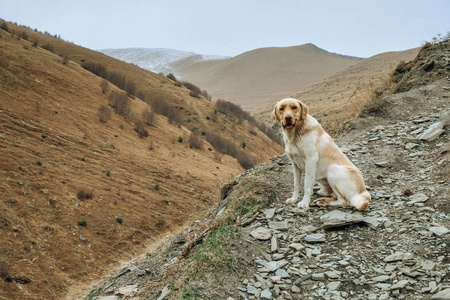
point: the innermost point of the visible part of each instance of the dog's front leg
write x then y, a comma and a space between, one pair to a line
297, 178
310, 179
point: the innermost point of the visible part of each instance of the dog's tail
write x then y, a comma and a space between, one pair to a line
361, 201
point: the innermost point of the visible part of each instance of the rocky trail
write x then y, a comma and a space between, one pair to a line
397, 249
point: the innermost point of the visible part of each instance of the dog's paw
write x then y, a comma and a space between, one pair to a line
303, 205
291, 200
323, 202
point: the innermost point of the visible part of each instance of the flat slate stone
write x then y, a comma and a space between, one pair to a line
397, 256
442, 295
337, 218
439, 230
433, 132
266, 294
261, 233
315, 238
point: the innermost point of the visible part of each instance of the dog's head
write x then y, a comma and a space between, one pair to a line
290, 112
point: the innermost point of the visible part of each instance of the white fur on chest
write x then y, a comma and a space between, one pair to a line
301, 149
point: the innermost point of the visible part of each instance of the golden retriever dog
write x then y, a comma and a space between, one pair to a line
313, 152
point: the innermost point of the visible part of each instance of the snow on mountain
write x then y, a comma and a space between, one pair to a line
158, 60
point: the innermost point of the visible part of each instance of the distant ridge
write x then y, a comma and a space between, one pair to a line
158, 60
260, 76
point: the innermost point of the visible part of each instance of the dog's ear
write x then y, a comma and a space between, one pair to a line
304, 110
274, 114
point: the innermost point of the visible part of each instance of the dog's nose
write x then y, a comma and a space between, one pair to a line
288, 118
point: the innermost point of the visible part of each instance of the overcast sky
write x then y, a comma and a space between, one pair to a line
351, 27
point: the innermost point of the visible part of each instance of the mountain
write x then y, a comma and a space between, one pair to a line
158, 60
251, 79
84, 183
261, 76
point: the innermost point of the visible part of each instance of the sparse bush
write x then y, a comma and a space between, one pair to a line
104, 114
195, 90
82, 223
5, 26
174, 117
95, 68
149, 117
231, 109
172, 77
84, 193
4, 270
35, 43
119, 220
48, 47
116, 78
180, 139
195, 141
243, 145
24, 35
159, 105
221, 144
104, 85
139, 127
245, 160
130, 87
120, 102
108, 173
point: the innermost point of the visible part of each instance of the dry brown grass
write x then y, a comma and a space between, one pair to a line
75, 154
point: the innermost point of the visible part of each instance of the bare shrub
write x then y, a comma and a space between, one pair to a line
24, 35
48, 47
149, 117
84, 193
35, 43
174, 116
231, 109
172, 77
218, 156
104, 85
5, 26
195, 90
195, 141
120, 102
116, 78
221, 144
96, 68
65, 59
151, 147
245, 160
104, 114
130, 87
139, 127
159, 105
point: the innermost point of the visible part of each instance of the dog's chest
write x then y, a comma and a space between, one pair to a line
296, 153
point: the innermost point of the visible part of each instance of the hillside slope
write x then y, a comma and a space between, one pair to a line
79, 195
398, 248
261, 76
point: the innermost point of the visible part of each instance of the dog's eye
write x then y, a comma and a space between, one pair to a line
281, 108
294, 107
